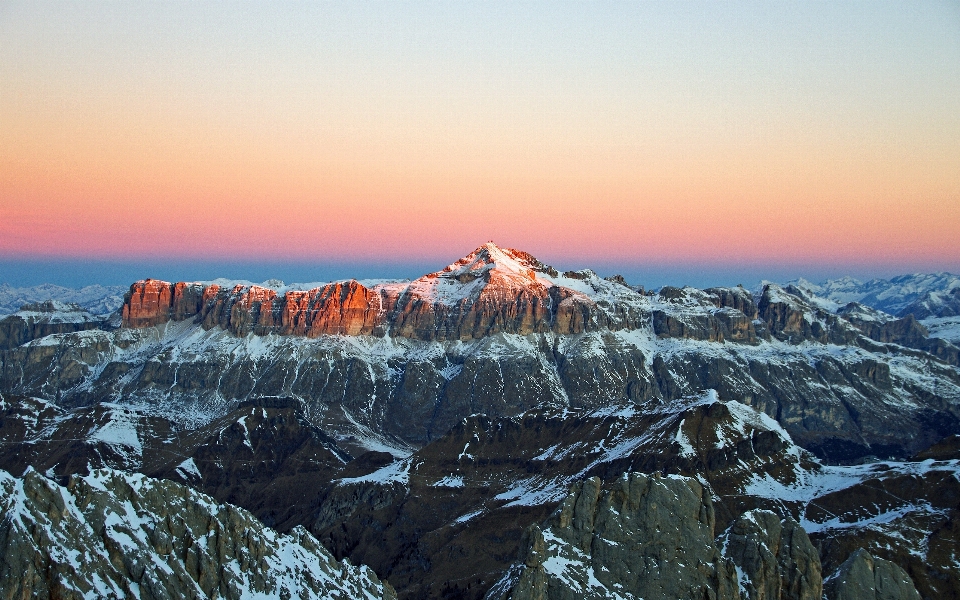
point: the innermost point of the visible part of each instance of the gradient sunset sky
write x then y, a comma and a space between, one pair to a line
673, 141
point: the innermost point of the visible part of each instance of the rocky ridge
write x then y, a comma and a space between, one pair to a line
403, 360
117, 535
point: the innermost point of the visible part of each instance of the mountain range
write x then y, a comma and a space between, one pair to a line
501, 429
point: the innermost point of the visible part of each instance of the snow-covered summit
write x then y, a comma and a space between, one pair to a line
489, 268
490, 257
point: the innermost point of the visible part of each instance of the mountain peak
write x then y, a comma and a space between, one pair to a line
490, 258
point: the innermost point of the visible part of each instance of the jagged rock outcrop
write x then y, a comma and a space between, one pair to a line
642, 536
716, 315
116, 535
791, 318
264, 455
863, 577
40, 319
905, 331
737, 298
775, 558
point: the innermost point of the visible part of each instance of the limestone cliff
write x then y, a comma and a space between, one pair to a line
491, 290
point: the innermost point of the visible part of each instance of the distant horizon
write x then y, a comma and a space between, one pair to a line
79, 272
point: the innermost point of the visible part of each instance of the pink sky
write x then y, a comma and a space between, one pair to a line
660, 133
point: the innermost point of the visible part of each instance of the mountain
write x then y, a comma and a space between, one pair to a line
944, 303
96, 299
395, 365
427, 429
892, 296
931, 299
489, 291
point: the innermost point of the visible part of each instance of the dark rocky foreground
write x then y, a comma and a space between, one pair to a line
454, 518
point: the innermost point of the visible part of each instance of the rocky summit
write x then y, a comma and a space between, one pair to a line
497, 429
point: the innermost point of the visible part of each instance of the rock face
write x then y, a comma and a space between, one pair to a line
152, 302
652, 537
716, 315
774, 557
491, 290
863, 577
644, 536
115, 535
791, 318
41, 319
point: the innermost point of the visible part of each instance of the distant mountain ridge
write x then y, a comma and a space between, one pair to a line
901, 295
97, 299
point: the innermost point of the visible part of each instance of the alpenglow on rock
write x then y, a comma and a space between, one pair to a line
491, 290
118, 535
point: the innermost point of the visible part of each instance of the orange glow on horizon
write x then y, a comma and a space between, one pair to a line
208, 151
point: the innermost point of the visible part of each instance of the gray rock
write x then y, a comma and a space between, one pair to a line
775, 558
117, 535
863, 577
646, 536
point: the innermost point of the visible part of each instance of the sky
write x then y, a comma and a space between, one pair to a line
674, 142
